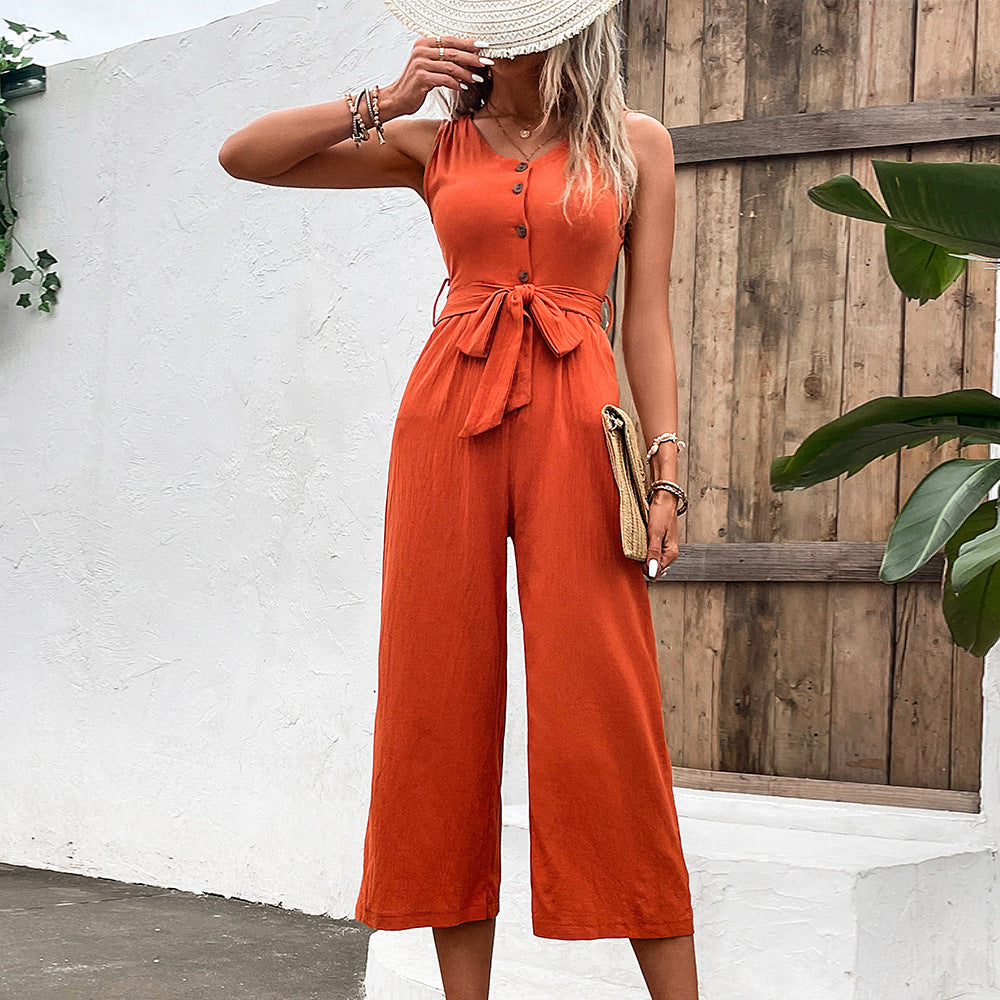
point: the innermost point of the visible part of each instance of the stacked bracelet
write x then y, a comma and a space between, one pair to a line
359, 130
670, 487
375, 117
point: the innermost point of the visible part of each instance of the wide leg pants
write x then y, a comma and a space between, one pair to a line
605, 851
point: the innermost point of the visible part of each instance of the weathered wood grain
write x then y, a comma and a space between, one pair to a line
933, 336
831, 791
790, 562
712, 280
764, 322
863, 616
934, 120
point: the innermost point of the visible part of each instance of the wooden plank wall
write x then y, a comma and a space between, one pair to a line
783, 317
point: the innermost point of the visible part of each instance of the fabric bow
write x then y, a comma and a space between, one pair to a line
500, 332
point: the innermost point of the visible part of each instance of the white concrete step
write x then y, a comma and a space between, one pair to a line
830, 916
402, 965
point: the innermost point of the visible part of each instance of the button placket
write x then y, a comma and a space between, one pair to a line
521, 229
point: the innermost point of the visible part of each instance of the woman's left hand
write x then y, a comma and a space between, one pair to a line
662, 534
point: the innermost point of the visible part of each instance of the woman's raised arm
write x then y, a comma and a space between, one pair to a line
312, 146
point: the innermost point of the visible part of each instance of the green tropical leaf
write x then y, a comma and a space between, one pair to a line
975, 556
955, 205
921, 270
882, 426
973, 613
934, 511
846, 195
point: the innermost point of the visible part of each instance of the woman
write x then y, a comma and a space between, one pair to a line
533, 181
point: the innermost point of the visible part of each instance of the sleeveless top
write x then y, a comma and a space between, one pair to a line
511, 253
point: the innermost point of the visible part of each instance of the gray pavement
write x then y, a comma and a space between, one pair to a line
70, 937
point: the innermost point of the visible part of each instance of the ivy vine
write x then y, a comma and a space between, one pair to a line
47, 281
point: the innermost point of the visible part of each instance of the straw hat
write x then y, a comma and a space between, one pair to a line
511, 28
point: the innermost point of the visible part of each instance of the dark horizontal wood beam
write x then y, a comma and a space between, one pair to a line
831, 791
948, 118
821, 562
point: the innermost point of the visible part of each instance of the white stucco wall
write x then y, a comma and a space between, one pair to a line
193, 457
101, 25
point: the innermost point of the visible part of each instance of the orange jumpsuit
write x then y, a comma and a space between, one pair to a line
499, 433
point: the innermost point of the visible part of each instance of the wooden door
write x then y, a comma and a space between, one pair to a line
786, 666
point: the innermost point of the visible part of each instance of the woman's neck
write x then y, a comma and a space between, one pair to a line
514, 93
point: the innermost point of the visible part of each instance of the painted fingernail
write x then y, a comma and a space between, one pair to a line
481, 45
477, 78
653, 569
464, 86
486, 60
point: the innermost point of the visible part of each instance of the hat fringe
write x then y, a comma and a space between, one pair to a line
407, 22
507, 51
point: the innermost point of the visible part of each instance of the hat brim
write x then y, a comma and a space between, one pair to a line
511, 29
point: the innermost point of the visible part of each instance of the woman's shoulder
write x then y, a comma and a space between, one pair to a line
416, 137
640, 121
649, 137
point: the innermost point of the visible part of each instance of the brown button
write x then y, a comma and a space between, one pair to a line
522, 230
522, 275
517, 188
521, 166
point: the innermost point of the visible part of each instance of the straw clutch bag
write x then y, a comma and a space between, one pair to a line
628, 462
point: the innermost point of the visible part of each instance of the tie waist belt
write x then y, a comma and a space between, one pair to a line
499, 332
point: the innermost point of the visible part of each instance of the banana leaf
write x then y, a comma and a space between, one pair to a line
955, 205
975, 556
921, 270
973, 613
933, 208
882, 426
934, 511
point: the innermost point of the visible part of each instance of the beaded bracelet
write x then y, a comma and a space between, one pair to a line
359, 131
375, 117
372, 99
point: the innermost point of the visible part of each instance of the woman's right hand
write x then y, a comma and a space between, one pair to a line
425, 70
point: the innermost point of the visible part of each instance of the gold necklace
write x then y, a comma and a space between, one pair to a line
525, 132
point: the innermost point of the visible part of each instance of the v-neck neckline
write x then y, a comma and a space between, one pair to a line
511, 159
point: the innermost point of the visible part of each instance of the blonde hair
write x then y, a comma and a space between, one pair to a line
581, 82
